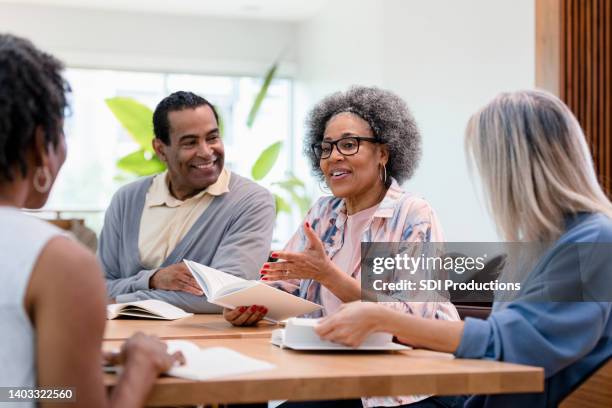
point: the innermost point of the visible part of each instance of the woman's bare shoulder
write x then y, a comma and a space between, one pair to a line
68, 272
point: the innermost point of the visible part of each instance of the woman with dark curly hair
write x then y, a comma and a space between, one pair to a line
52, 295
362, 143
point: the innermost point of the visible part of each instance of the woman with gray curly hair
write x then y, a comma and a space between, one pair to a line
362, 143
389, 121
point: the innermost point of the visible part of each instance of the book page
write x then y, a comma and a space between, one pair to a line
211, 280
151, 309
234, 287
280, 304
143, 314
299, 333
212, 362
304, 329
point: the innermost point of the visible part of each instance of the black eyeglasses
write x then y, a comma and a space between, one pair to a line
347, 146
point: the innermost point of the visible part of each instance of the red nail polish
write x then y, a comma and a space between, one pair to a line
274, 255
266, 266
264, 278
307, 224
242, 308
263, 272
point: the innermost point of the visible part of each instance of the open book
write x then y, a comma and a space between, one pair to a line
146, 309
231, 291
299, 334
205, 363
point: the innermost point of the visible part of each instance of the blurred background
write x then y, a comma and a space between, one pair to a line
446, 58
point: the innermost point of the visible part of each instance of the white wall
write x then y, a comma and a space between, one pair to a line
153, 42
446, 58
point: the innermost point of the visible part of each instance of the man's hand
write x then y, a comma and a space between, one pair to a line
175, 277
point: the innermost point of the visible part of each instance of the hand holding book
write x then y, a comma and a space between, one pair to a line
245, 315
233, 292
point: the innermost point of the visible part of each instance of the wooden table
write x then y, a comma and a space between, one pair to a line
203, 326
337, 375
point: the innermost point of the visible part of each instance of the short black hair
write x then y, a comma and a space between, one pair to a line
175, 102
32, 93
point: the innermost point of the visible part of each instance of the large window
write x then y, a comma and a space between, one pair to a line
96, 140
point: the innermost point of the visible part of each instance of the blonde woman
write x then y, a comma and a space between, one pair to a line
541, 186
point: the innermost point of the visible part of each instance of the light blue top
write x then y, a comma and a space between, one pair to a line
570, 340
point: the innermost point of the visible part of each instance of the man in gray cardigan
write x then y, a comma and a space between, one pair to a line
195, 210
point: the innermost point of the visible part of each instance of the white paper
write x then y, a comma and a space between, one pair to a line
299, 334
146, 309
211, 280
212, 362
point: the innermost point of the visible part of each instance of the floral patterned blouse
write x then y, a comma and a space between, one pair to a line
400, 217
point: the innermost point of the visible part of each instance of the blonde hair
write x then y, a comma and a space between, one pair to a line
535, 165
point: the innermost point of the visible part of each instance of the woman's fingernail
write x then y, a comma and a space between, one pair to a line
274, 255
253, 308
307, 224
242, 308
264, 278
266, 266
263, 272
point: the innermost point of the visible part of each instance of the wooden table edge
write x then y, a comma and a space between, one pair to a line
169, 391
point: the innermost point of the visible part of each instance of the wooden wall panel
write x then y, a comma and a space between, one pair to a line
574, 61
585, 54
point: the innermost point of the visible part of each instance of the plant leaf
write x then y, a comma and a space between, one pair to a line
141, 163
281, 204
261, 95
291, 182
220, 124
136, 118
302, 201
266, 161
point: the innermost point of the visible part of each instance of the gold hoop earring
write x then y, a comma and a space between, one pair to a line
383, 176
45, 174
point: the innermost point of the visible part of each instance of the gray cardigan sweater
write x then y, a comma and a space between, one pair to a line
233, 235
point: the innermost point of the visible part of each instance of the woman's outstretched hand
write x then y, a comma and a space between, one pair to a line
313, 263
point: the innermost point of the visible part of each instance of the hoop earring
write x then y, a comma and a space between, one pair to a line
383, 176
42, 172
326, 191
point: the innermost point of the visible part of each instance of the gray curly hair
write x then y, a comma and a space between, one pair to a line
388, 116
